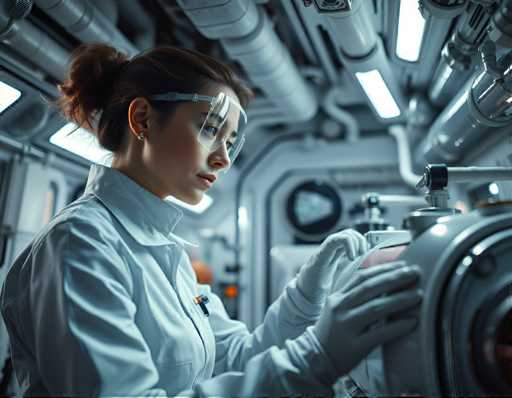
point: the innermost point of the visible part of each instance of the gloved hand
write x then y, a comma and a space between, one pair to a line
343, 328
315, 277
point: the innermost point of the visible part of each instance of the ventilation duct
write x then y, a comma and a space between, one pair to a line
29, 41
86, 23
483, 103
248, 37
139, 22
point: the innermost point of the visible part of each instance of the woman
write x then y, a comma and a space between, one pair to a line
104, 300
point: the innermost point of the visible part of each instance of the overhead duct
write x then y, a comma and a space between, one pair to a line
439, 15
483, 103
331, 106
29, 41
361, 50
456, 64
419, 118
139, 22
248, 37
86, 23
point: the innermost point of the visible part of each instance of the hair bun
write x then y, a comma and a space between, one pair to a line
92, 73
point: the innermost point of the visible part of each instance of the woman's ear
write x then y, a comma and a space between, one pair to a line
139, 113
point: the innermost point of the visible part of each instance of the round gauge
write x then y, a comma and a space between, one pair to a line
314, 209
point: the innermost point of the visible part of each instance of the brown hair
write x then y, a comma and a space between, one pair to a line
102, 82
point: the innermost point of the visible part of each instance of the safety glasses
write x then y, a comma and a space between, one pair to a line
222, 125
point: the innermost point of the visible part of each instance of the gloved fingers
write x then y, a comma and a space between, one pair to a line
380, 284
380, 308
387, 332
362, 246
335, 247
364, 274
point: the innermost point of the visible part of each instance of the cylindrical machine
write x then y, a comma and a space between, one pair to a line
484, 102
356, 25
456, 64
500, 31
463, 341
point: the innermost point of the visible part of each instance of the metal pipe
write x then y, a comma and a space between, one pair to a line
332, 108
436, 31
404, 155
20, 147
361, 50
477, 174
354, 31
35, 45
482, 103
406, 200
456, 66
248, 37
140, 22
83, 20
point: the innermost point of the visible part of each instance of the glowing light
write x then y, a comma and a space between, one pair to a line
439, 230
82, 143
494, 189
411, 27
378, 93
8, 96
243, 219
467, 261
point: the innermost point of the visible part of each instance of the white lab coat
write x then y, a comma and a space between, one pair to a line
102, 303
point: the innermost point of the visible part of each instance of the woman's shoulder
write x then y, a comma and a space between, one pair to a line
86, 217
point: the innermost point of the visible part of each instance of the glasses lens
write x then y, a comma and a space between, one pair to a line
223, 125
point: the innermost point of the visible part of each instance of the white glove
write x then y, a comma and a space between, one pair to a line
349, 327
315, 277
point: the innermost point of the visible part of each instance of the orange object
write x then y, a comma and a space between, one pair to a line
231, 291
203, 272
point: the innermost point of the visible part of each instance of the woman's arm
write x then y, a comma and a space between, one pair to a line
287, 318
78, 321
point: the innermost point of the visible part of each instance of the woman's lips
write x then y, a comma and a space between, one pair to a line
205, 182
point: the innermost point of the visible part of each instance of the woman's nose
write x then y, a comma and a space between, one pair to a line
219, 158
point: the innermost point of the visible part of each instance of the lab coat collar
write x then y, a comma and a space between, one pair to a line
147, 218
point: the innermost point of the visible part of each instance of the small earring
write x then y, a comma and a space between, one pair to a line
140, 137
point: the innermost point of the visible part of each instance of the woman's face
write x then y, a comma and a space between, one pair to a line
173, 157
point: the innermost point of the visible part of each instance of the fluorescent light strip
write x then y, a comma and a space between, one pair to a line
8, 96
205, 203
378, 92
82, 143
411, 27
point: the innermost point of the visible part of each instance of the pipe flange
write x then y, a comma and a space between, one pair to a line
483, 119
442, 8
455, 58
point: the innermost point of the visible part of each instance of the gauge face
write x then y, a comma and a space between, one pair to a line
313, 209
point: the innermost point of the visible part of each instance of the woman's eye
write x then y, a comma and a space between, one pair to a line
211, 130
